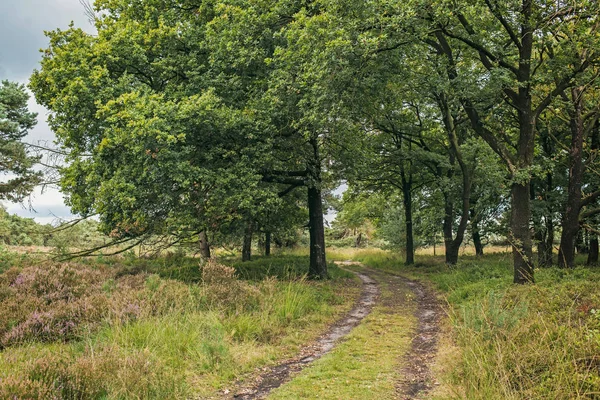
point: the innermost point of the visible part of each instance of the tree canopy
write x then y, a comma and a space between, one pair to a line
463, 118
15, 161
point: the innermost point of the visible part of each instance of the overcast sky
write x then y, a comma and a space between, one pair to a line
22, 26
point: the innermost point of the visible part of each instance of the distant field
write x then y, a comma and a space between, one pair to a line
464, 250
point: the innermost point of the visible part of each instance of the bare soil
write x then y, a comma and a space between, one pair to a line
416, 378
416, 374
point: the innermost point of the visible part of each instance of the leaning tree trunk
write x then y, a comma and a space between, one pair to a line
247, 247
204, 245
570, 221
453, 245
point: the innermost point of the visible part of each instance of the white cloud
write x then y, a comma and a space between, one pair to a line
44, 207
22, 25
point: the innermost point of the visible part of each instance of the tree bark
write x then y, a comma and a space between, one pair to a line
475, 233
408, 218
547, 261
453, 245
593, 254
267, 243
247, 246
451, 250
318, 263
542, 251
570, 220
545, 256
204, 246
520, 233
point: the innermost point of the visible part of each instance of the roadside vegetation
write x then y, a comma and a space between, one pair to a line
509, 342
117, 329
193, 139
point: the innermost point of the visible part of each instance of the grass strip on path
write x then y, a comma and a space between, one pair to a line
366, 364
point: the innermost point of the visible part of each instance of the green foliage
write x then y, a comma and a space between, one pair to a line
15, 122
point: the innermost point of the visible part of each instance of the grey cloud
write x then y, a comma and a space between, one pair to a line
22, 25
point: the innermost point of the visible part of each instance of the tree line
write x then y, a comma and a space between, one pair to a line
200, 118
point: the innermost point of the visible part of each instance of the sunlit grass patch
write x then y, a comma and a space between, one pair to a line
365, 365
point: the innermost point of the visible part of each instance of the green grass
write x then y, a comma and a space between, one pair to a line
512, 342
537, 341
283, 266
364, 365
188, 338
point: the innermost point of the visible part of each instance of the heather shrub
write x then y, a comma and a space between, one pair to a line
55, 301
129, 332
224, 290
69, 379
107, 372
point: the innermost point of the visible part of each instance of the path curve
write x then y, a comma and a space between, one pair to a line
279, 374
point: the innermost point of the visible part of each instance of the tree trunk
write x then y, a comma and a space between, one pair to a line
475, 234
593, 254
358, 240
519, 163
204, 246
451, 250
318, 263
520, 233
408, 221
247, 247
541, 244
453, 245
570, 220
546, 260
267, 243
539, 226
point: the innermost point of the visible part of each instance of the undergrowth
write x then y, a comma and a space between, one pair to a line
538, 341
164, 328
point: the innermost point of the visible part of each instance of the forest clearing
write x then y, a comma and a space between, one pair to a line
316, 199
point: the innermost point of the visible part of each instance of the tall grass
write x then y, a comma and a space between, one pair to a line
537, 341
137, 334
522, 342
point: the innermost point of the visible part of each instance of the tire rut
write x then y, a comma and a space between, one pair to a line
417, 378
277, 375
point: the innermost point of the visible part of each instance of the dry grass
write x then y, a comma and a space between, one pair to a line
464, 250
